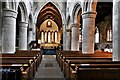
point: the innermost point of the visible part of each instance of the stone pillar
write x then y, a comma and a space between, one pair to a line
88, 32
68, 41
52, 37
49, 37
30, 37
23, 35
46, 39
75, 37
9, 31
116, 31
64, 37
0, 26
34, 32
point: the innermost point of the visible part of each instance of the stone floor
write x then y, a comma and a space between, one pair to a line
49, 69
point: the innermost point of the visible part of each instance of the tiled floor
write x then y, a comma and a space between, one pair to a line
49, 69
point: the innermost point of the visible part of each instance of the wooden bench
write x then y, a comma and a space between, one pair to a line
109, 71
29, 72
37, 54
63, 55
10, 72
66, 58
87, 64
30, 58
26, 54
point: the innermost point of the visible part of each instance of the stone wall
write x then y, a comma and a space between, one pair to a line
0, 24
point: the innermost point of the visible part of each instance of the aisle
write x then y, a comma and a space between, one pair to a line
49, 69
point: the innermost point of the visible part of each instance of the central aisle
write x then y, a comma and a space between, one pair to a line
49, 69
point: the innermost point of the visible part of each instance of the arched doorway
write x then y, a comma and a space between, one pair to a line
49, 27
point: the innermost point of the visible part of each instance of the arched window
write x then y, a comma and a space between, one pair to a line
80, 35
109, 35
96, 35
49, 23
49, 37
55, 37
42, 36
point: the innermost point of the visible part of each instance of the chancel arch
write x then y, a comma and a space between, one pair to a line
49, 20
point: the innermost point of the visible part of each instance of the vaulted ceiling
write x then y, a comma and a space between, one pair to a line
49, 11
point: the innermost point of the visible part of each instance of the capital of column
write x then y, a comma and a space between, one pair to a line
89, 15
10, 13
23, 24
75, 25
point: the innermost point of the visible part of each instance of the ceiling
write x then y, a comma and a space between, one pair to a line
49, 11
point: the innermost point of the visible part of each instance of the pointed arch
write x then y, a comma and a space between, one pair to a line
30, 21
49, 11
40, 7
76, 10
23, 9
68, 19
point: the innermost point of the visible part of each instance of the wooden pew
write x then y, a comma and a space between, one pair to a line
77, 56
62, 55
37, 54
9, 71
26, 54
20, 56
86, 63
95, 71
26, 65
23, 57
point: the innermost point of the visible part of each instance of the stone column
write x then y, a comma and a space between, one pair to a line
34, 32
75, 37
59, 37
64, 37
116, 31
49, 37
68, 39
52, 37
23, 35
88, 32
9, 31
0, 26
46, 39
30, 35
